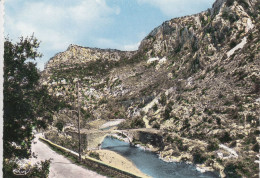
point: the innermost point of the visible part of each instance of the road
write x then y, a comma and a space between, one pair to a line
60, 166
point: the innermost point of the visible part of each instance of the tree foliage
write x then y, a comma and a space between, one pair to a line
26, 103
20, 79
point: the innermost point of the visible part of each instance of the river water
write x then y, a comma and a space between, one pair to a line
150, 164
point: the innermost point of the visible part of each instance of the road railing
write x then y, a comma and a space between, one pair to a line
92, 163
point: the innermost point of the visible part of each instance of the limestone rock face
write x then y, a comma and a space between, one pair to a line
82, 55
195, 78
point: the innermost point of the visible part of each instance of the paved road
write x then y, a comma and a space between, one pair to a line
60, 166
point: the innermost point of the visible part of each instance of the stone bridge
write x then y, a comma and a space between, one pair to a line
92, 139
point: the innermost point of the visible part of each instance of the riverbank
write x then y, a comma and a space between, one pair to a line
149, 163
169, 159
200, 167
118, 161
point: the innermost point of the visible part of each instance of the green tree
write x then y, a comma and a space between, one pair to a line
20, 80
26, 103
45, 106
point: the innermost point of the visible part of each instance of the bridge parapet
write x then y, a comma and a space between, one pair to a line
92, 139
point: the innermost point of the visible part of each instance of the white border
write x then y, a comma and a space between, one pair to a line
1, 81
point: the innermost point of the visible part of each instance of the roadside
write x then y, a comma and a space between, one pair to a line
60, 166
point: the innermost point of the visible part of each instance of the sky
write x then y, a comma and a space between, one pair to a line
115, 24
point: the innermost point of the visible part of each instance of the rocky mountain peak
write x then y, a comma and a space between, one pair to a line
196, 78
216, 6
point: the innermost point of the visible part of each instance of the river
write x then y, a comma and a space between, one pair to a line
150, 164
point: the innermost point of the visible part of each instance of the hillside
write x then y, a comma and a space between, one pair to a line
196, 78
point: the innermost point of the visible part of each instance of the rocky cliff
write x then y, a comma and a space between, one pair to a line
196, 78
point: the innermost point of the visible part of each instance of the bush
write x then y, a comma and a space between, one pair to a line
38, 170
41, 170
182, 147
255, 147
193, 111
178, 48
134, 123
155, 107
124, 125
169, 139
151, 120
233, 144
237, 99
250, 139
186, 124
229, 2
227, 103
233, 114
250, 118
225, 137
233, 17
163, 99
167, 111
230, 171
210, 120
243, 3
213, 145
137, 123
218, 120
250, 36
156, 125
220, 95
94, 155
176, 154
198, 157
59, 126
195, 65
256, 88
225, 14
208, 111
232, 44
102, 101
178, 142
8, 167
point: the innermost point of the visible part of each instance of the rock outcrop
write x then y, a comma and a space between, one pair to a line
196, 78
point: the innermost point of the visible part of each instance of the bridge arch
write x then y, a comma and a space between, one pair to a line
120, 134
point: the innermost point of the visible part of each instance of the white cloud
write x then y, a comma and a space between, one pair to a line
173, 8
131, 47
91, 11
57, 22
109, 43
